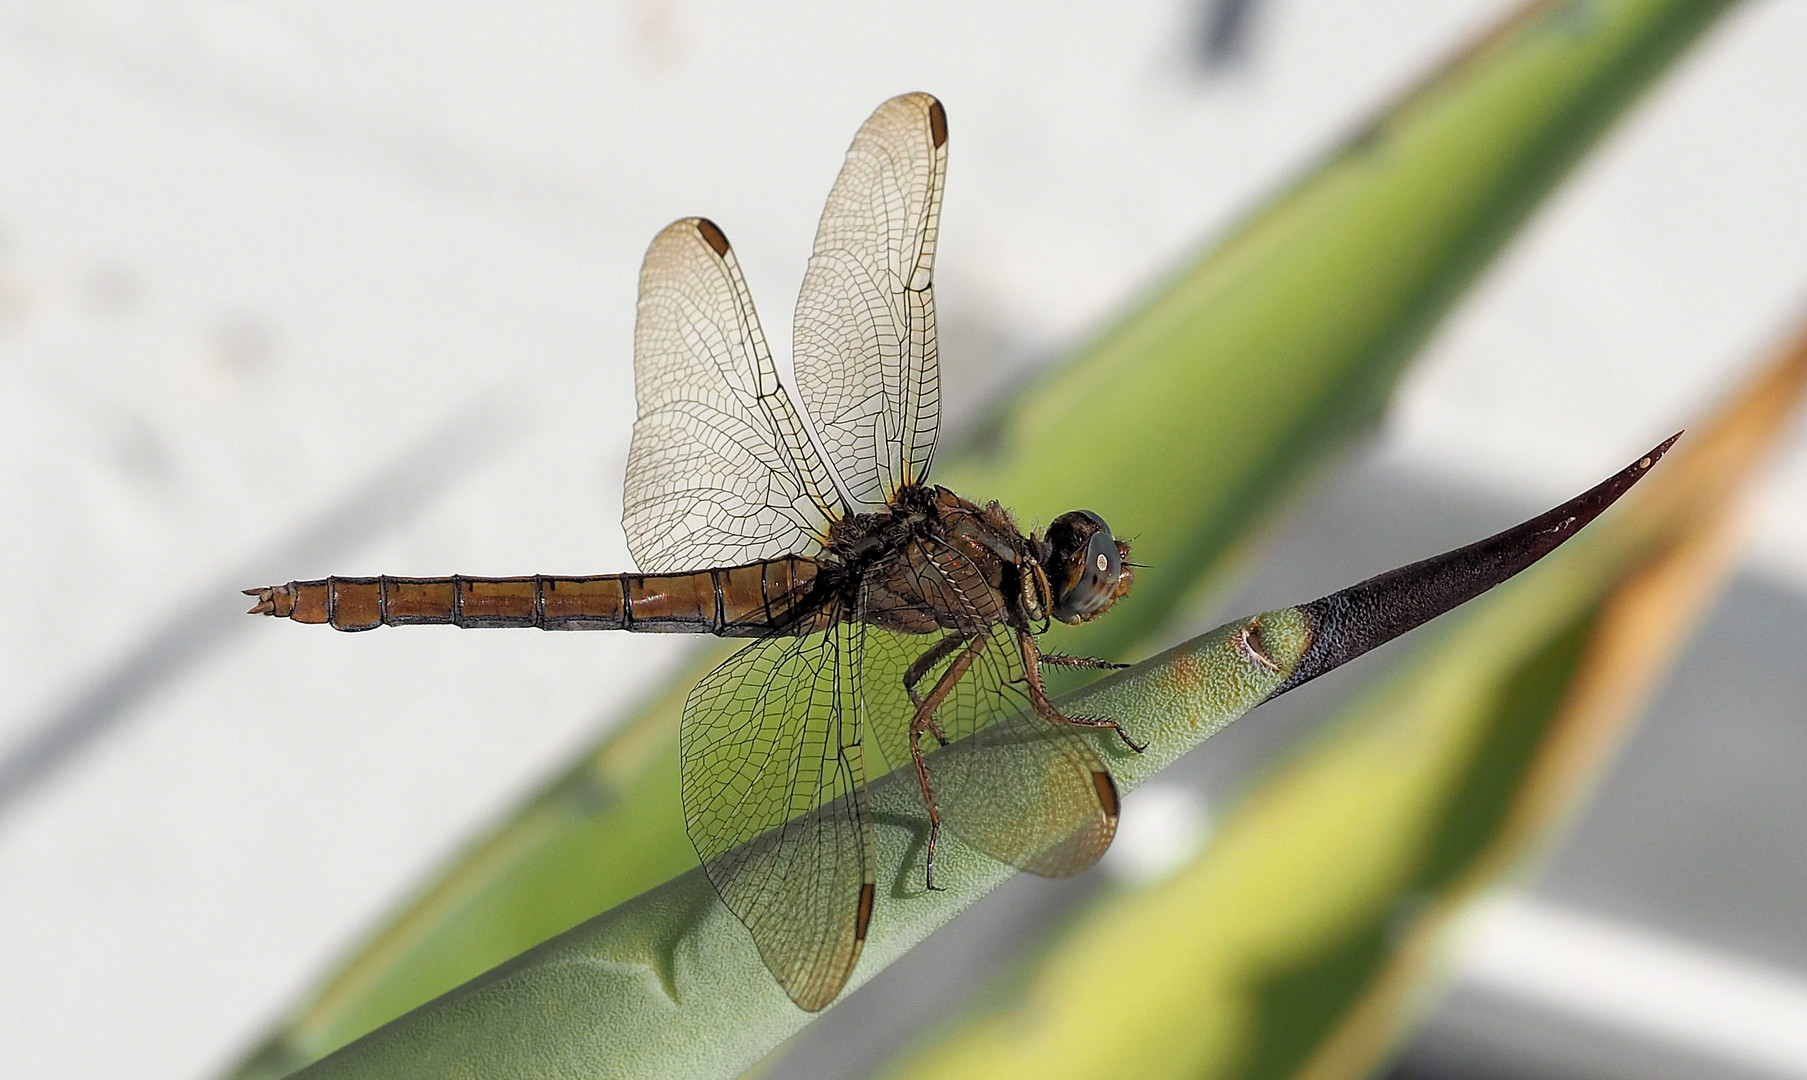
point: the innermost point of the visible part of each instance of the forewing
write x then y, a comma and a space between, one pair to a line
864, 341
773, 786
720, 471
1024, 790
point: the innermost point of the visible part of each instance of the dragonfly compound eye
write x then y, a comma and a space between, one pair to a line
1084, 566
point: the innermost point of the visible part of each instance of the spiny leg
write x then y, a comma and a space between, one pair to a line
1063, 660
925, 664
1032, 661
924, 721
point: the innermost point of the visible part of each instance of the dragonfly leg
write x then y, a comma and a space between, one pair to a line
1063, 660
925, 664
1032, 661
924, 720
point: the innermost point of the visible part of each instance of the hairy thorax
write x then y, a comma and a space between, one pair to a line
932, 562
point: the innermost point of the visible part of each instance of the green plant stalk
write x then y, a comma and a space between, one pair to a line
1267, 353
669, 984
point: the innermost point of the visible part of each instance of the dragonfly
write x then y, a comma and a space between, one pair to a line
879, 606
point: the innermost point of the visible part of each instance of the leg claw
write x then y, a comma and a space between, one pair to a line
1101, 722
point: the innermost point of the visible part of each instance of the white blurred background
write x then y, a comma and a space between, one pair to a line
294, 289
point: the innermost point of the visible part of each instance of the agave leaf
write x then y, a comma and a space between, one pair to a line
669, 983
1300, 941
1267, 353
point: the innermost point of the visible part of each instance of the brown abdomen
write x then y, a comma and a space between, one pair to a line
737, 601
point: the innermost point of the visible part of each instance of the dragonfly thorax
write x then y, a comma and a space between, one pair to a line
929, 534
934, 561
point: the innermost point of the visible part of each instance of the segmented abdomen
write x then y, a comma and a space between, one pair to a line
754, 600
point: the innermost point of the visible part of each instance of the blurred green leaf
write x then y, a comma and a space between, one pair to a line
1270, 351
1299, 941
1186, 423
607, 830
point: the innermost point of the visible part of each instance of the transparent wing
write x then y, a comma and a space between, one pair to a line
864, 340
720, 471
774, 795
1026, 791
1022, 789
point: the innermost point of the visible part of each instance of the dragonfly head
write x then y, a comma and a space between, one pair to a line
1087, 567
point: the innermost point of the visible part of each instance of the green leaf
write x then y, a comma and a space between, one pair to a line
669, 984
1225, 389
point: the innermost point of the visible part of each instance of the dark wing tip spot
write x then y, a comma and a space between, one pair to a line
713, 236
1107, 794
864, 919
937, 123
